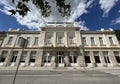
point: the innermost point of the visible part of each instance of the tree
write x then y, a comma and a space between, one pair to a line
22, 9
117, 32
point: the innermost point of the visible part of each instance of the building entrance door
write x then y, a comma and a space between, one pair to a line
60, 59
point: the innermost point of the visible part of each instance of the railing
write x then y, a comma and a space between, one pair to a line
60, 45
72, 45
48, 45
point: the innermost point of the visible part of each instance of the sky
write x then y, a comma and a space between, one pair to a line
90, 15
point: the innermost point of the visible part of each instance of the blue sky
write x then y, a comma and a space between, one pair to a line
90, 14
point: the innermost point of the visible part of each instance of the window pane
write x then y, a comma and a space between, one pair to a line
101, 40
71, 40
36, 40
28, 40
3, 56
23, 57
84, 40
92, 40
32, 57
10, 40
111, 40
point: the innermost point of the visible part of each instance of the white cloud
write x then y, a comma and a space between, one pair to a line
107, 5
116, 21
33, 19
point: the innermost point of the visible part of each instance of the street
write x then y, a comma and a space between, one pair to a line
59, 77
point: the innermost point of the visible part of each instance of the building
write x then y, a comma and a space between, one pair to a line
60, 45
2, 36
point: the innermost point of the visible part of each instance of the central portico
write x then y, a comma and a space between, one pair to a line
61, 44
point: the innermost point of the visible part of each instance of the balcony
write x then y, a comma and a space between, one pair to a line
72, 45
102, 45
60, 45
113, 45
94, 45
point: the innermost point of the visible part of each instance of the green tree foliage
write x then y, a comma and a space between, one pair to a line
22, 9
117, 32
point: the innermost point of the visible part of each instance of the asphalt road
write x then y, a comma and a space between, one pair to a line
59, 77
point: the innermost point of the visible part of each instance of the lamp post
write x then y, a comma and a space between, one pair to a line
83, 55
23, 46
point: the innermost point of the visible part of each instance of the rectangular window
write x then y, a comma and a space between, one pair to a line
73, 57
23, 57
84, 40
14, 56
32, 56
10, 40
101, 40
47, 57
3, 56
36, 41
96, 56
19, 40
87, 57
71, 40
117, 56
60, 40
28, 40
111, 40
48, 40
105, 54
92, 41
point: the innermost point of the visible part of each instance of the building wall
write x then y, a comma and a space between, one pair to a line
55, 49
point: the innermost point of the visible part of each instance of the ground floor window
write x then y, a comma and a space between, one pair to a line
60, 55
72, 57
3, 56
87, 57
47, 57
117, 56
14, 56
105, 54
23, 56
32, 56
96, 56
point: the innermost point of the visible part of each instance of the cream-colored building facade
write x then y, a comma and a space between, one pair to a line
60, 45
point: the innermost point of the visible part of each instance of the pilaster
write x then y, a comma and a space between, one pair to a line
38, 60
112, 58
80, 60
66, 59
65, 39
8, 58
102, 59
53, 63
18, 58
27, 61
92, 59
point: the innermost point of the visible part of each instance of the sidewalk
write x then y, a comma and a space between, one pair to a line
59, 68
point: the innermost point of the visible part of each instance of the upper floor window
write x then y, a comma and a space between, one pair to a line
101, 40
60, 40
36, 41
10, 40
111, 40
19, 40
28, 40
84, 40
71, 40
48, 40
92, 40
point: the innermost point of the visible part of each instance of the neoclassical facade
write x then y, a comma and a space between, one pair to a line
60, 45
